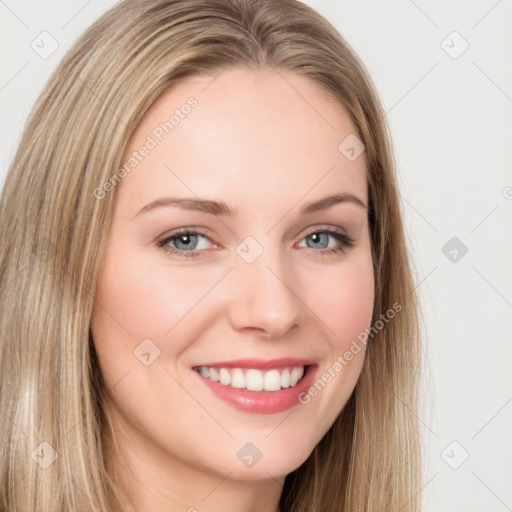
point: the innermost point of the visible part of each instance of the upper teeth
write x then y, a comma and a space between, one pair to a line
252, 379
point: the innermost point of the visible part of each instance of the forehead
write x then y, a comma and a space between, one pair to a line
244, 135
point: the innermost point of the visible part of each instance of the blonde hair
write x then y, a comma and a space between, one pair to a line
53, 231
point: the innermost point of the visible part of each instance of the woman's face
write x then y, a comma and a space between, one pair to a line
227, 270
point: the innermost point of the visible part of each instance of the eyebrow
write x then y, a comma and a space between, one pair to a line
222, 209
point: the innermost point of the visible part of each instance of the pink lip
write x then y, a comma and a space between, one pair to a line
262, 402
259, 364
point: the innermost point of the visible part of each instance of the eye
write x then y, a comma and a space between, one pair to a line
190, 243
186, 243
328, 241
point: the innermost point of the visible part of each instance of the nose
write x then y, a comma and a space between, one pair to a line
262, 298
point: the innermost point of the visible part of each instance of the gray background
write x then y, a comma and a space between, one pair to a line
451, 114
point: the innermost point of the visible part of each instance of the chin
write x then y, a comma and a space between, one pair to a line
277, 464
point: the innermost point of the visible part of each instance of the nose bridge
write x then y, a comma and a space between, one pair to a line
263, 297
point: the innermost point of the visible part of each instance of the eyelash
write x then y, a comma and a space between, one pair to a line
346, 242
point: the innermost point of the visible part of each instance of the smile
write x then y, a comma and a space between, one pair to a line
256, 385
254, 379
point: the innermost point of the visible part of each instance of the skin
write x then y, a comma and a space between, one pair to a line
266, 144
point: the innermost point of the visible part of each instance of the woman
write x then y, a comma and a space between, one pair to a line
207, 302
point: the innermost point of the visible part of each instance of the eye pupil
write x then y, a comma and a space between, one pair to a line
317, 239
186, 241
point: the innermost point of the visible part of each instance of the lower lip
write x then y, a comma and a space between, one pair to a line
262, 402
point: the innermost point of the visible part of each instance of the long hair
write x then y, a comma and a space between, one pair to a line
53, 230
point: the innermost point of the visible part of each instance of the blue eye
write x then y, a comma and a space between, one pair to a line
189, 243
184, 243
320, 240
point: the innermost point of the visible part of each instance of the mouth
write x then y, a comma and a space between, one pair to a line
258, 386
254, 379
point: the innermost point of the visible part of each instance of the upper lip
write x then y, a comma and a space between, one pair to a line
260, 364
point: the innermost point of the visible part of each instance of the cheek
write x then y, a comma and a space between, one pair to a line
138, 300
344, 301
147, 300
345, 306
